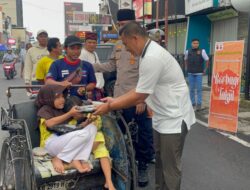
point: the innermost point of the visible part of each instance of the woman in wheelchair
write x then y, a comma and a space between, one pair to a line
99, 149
71, 149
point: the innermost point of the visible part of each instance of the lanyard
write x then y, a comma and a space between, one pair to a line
145, 48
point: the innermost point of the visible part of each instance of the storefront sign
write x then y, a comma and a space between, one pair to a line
75, 28
138, 7
69, 8
11, 41
106, 35
225, 91
192, 6
80, 17
221, 15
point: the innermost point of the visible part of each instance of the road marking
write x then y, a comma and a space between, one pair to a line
201, 122
230, 136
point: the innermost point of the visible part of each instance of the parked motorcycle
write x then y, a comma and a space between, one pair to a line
9, 69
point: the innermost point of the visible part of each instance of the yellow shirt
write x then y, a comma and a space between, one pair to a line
43, 66
44, 132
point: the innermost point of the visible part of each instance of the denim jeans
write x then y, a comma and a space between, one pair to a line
195, 87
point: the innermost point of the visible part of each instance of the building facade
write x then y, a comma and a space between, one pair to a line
13, 9
11, 17
212, 21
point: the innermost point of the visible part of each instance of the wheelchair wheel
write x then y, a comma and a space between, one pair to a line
131, 155
15, 172
7, 170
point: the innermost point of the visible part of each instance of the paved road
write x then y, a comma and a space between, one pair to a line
210, 160
17, 95
213, 162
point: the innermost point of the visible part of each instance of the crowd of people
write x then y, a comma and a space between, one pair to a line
150, 90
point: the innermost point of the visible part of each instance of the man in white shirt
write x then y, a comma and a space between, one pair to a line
162, 85
9, 56
36, 52
88, 54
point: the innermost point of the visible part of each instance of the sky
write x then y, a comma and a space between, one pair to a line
49, 15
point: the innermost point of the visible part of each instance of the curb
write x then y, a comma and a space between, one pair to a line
199, 116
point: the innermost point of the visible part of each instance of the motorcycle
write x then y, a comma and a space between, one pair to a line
9, 69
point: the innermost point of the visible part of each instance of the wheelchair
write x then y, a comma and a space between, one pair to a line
22, 169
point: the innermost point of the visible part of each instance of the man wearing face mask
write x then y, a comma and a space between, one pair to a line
127, 68
194, 59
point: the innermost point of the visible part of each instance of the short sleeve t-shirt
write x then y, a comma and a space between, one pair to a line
9, 57
161, 77
61, 69
43, 66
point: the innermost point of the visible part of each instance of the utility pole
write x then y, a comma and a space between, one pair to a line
166, 24
157, 13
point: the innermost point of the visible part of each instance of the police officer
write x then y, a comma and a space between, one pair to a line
127, 68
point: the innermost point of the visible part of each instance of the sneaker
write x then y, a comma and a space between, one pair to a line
142, 174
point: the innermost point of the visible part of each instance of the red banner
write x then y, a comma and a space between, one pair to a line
138, 7
225, 91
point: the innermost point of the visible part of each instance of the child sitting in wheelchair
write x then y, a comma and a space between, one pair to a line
99, 149
73, 148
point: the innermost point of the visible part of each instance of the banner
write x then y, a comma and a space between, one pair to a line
225, 91
80, 17
69, 8
192, 6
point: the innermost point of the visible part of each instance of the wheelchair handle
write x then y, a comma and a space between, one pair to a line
8, 94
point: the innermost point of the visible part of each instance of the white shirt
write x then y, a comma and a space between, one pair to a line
93, 58
9, 57
161, 77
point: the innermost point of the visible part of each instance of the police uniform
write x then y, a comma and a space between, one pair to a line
127, 67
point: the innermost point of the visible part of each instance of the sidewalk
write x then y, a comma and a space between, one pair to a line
244, 112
